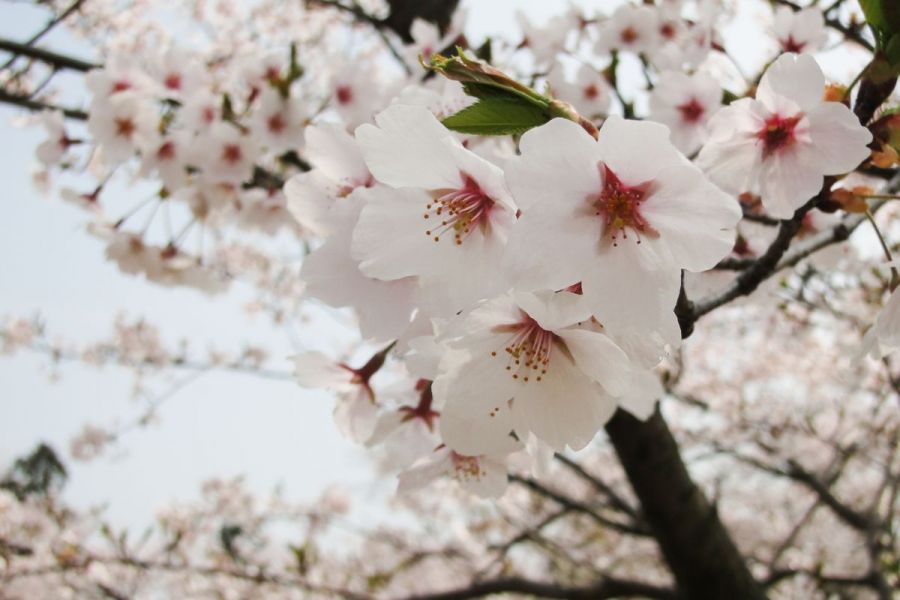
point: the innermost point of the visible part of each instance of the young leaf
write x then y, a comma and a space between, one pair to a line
497, 115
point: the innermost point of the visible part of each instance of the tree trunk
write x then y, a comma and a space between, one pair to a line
699, 551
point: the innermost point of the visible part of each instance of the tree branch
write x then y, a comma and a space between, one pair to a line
576, 506
695, 544
57, 61
607, 588
37, 105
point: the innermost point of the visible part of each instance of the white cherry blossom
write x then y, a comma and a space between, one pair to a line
447, 218
530, 365
621, 215
782, 144
799, 31
685, 104
630, 28
483, 475
278, 122
589, 93
338, 169
121, 124
225, 154
55, 148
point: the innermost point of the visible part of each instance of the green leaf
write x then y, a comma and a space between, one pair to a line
883, 16
892, 51
497, 114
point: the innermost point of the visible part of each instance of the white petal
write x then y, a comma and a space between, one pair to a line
335, 152
567, 233
838, 138
406, 149
558, 163
694, 218
476, 417
797, 78
599, 358
788, 180
389, 240
637, 150
315, 370
564, 409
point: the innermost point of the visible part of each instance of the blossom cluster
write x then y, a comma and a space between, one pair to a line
518, 290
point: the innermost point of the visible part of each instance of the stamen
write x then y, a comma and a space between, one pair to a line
528, 349
619, 205
458, 211
778, 133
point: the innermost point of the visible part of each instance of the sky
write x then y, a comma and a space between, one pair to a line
221, 424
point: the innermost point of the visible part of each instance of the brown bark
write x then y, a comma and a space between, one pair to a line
703, 558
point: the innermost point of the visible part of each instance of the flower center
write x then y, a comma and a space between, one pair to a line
528, 349
344, 94
591, 92
166, 151
231, 153
629, 35
792, 45
667, 30
778, 133
125, 127
276, 123
619, 206
459, 211
466, 468
173, 81
691, 111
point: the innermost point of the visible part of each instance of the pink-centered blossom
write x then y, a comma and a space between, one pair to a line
782, 144
621, 216
685, 103
799, 31
523, 363
338, 169
445, 217
588, 92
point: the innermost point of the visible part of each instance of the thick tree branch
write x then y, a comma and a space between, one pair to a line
607, 588
699, 551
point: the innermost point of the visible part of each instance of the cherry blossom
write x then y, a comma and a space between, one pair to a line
355, 412
447, 219
621, 216
278, 122
121, 125
168, 157
531, 366
339, 169
483, 475
55, 149
799, 31
179, 75
685, 104
225, 154
631, 29
589, 93
783, 143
